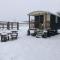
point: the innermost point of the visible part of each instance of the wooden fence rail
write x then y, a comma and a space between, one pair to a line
9, 25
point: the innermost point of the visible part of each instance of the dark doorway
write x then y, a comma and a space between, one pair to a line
38, 20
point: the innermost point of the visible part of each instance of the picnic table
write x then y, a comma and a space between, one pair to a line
8, 35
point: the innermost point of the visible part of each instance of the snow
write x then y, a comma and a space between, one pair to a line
30, 48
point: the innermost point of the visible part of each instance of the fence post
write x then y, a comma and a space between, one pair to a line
17, 25
11, 25
8, 25
3, 26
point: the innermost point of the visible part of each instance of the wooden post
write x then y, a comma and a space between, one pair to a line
0, 26
8, 25
44, 21
39, 22
11, 25
29, 22
29, 27
3, 26
17, 25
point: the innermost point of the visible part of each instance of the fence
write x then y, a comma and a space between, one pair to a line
9, 25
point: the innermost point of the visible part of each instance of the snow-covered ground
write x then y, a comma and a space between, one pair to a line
30, 48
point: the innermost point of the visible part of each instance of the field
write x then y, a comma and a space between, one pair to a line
30, 48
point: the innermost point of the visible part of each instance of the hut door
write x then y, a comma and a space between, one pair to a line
38, 21
41, 19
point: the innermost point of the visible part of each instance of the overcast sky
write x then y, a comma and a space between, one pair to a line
18, 9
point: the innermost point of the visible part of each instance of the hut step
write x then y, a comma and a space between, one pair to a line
39, 34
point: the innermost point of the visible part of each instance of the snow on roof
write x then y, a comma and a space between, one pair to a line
34, 13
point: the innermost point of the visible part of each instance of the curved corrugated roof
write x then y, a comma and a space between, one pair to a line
37, 13
34, 13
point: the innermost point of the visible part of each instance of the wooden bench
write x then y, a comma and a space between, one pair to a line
8, 36
14, 35
4, 37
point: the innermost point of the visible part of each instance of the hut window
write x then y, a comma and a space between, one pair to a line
56, 20
32, 18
